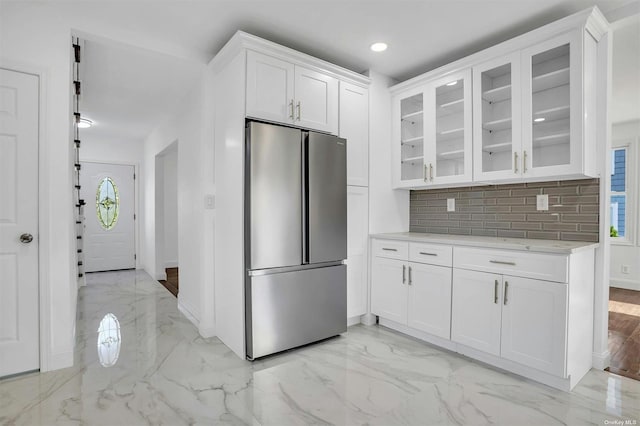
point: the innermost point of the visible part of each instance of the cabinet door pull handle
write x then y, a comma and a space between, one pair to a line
409, 275
424, 172
495, 292
428, 254
506, 286
403, 274
524, 162
388, 249
515, 162
431, 172
299, 109
291, 116
500, 262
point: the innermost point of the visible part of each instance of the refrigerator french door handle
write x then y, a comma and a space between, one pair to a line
305, 198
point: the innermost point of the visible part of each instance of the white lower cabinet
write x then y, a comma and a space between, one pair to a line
519, 319
429, 299
388, 289
476, 310
413, 294
534, 324
500, 313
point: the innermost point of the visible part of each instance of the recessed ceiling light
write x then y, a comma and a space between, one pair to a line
379, 47
539, 119
453, 83
85, 123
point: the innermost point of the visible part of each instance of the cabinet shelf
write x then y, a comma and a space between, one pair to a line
497, 147
551, 139
450, 134
498, 94
502, 124
552, 114
412, 160
550, 80
452, 155
414, 117
412, 141
451, 107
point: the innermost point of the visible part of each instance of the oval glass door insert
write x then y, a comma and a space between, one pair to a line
107, 203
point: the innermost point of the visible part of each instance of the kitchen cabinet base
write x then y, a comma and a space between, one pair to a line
564, 384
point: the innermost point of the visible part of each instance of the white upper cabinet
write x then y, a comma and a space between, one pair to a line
316, 97
432, 133
534, 105
269, 88
497, 126
354, 127
409, 168
280, 91
448, 129
551, 107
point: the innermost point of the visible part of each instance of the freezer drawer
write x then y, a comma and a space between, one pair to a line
327, 198
290, 309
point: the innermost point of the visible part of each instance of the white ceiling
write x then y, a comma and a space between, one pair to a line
128, 90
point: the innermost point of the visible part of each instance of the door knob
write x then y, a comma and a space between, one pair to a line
26, 238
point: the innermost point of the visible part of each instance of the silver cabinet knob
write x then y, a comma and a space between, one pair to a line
26, 238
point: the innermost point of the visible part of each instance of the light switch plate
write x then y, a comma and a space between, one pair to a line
451, 204
542, 202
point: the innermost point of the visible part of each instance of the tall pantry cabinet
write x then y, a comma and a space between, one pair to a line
253, 78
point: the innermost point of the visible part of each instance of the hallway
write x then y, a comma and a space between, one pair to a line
165, 373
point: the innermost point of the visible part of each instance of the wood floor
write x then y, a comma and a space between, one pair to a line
171, 283
624, 332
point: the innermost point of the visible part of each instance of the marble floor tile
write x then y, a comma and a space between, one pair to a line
150, 366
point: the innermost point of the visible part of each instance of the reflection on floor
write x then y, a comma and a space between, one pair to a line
171, 283
139, 361
624, 332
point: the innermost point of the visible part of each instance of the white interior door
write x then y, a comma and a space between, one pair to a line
108, 190
19, 313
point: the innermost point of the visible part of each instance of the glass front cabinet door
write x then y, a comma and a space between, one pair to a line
448, 131
409, 118
433, 133
552, 98
497, 117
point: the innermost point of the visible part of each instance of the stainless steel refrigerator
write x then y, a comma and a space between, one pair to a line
295, 237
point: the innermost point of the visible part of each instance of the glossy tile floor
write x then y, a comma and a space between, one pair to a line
147, 365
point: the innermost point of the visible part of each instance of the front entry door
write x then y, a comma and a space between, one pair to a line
19, 306
108, 190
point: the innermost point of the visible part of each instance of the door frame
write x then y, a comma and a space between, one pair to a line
136, 201
43, 232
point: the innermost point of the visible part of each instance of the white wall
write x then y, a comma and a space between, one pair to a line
193, 165
628, 133
388, 208
170, 256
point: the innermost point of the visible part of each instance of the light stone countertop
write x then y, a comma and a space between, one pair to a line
522, 244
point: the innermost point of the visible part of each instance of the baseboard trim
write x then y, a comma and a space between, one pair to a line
207, 332
353, 320
368, 319
601, 360
625, 284
58, 361
187, 311
171, 264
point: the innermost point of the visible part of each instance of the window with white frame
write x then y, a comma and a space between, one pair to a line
619, 187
